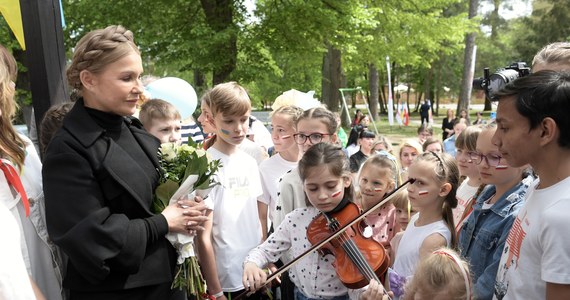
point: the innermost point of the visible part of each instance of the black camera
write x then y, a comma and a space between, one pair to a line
493, 83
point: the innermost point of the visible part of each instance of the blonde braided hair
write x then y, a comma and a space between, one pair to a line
97, 49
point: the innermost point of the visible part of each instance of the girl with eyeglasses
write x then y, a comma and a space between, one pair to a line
432, 194
485, 231
471, 186
314, 126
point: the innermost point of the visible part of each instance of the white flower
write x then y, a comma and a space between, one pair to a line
185, 251
186, 148
200, 152
168, 151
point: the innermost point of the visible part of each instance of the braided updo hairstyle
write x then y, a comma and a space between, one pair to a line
97, 49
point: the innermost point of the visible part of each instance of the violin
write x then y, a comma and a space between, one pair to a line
334, 235
358, 259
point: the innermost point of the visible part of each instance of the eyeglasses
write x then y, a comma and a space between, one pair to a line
493, 160
315, 138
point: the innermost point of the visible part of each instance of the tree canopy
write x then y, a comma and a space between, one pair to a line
285, 44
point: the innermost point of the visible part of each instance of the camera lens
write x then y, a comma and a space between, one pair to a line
499, 79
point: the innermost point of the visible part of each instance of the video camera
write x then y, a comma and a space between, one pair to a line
492, 83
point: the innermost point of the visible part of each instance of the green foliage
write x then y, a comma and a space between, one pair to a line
547, 24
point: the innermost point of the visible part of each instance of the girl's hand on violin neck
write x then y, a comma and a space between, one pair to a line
253, 277
375, 291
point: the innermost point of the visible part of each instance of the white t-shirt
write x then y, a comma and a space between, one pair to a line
272, 170
537, 248
261, 135
254, 150
464, 194
408, 254
351, 149
236, 228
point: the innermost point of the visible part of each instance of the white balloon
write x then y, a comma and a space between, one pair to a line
176, 91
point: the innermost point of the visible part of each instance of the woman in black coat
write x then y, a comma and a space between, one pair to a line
100, 171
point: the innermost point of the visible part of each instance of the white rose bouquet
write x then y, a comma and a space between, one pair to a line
186, 170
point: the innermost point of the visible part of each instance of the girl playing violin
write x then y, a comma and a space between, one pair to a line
433, 196
377, 177
325, 173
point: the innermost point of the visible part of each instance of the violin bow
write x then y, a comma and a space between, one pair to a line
334, 235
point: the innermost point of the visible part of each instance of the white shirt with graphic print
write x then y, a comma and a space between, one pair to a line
537, 248
236, 228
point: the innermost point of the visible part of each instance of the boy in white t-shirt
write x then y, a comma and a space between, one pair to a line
234, 228
534, 128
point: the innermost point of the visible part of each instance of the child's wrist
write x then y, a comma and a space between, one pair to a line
218, 294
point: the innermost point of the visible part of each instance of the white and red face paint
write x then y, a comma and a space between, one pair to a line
501, 167
423, 192
336, 194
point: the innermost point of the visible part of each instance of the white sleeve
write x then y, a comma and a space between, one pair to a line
14, 279
555, 255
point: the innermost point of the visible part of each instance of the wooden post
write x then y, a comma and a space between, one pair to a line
45, 54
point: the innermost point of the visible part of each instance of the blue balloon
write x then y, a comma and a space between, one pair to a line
176, 91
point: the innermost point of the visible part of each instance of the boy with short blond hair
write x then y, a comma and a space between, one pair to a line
161, 119
234, 227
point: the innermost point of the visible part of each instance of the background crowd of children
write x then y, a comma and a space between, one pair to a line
454, 229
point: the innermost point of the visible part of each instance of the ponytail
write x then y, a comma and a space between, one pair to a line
446, 171
447, 215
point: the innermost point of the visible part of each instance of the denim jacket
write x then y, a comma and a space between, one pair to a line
483, 235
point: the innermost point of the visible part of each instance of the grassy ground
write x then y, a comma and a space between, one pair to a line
397, 133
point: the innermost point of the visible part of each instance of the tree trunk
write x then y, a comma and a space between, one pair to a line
199, 81
219, 15
373, 84
332, 78
467, 78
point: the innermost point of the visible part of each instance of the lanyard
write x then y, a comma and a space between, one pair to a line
14, 180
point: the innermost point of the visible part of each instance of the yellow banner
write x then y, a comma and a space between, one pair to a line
10, 9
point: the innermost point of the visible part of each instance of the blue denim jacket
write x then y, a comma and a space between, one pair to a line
483, 235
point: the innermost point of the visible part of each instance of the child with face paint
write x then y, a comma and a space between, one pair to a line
471, 186
484, 233
283, 122
233, 227
314, 126
433, 195
325, 175
378, 177
206, 121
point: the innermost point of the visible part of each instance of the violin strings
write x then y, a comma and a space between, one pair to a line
359, 260
362, 263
